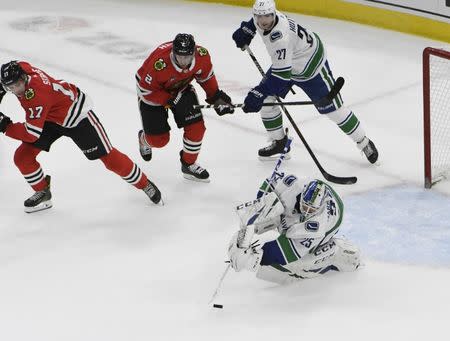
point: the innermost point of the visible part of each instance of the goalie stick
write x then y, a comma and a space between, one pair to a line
332, 178
274, 175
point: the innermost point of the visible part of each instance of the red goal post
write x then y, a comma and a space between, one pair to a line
436, 114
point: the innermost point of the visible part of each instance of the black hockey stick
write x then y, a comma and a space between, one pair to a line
321, 102
332, 178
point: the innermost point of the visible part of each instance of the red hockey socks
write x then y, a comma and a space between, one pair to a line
121, 164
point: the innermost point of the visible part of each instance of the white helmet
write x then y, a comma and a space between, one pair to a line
264, 7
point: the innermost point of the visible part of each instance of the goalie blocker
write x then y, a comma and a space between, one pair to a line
307, 215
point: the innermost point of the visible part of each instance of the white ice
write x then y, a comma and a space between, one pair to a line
104, 264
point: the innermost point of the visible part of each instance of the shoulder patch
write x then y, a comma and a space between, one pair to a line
160, 64
29, 94
275, 36
202, 51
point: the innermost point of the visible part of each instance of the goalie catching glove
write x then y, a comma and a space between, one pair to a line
223, 101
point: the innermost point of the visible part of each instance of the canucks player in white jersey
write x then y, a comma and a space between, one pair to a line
307, 215
298, 58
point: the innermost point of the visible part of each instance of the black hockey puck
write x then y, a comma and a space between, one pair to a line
219, 306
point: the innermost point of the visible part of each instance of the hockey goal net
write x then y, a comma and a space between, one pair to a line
436, 103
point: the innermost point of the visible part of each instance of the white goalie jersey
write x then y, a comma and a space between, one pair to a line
293, 225
296, 52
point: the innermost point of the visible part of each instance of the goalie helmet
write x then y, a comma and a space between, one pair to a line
10, 73
312, 198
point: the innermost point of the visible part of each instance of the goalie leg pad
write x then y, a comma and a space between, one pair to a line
336, 255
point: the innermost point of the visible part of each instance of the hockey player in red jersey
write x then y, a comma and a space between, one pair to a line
163, 82
55, 108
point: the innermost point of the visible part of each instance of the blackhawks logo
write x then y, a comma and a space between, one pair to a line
159, 64
29, 94
202, 51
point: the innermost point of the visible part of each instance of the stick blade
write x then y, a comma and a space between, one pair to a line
340, 180
328, 99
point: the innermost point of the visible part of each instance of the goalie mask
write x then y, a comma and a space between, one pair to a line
264, 13
312, 199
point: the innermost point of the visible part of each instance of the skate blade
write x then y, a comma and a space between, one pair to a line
274, 157
42, 206
193, 178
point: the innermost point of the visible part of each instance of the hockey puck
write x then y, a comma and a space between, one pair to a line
219, 306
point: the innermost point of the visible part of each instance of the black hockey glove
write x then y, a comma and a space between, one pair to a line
2, 93
254, 100
223, 100
5, 121
244, 34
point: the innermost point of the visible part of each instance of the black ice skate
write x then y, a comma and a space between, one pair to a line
273, 151
153, 192
369, 150
40, 200
194, 171
144, 148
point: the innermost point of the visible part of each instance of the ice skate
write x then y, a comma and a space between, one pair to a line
153, 193
369, 150
144, 147
194, 172
273, 151
40, 200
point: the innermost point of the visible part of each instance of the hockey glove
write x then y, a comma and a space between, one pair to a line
244, 34
2, 93
248, 258
5, 121
223, 100
254, 100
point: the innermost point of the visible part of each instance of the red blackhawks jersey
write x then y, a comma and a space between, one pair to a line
159, 79
47, 99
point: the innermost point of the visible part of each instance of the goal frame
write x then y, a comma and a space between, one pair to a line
427, 52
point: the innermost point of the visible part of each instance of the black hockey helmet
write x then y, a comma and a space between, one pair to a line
184, 44
11, 72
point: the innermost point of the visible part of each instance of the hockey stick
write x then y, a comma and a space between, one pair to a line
272, 177
219, 285
324, 101
275, 173
326, 175
240, 105
281, 157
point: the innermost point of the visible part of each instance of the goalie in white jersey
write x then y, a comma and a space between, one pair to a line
298, 58
307, 216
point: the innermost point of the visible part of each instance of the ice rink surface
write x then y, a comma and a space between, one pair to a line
104, 264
